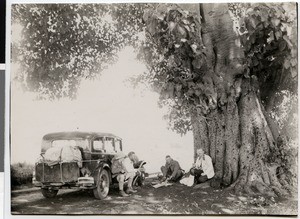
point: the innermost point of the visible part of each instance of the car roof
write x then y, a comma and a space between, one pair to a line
76, 135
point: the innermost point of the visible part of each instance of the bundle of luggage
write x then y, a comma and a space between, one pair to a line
65, 154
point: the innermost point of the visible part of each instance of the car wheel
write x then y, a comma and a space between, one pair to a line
49, 193
137, 181
102, 187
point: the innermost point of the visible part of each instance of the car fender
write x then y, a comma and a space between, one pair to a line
100, 167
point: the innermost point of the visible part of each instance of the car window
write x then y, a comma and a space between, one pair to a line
109, 145
63, 143
118, 145
98, 144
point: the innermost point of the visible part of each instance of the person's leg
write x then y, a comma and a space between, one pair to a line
197, 174
192, 171
202, 179
164, 171
130, 176
121, 179
178, 176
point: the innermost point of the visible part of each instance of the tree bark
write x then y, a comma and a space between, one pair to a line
235, 132
232, 142
200, 126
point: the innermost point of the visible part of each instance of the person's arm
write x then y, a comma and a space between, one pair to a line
198, 163
208, 168
176, 169
211, 168
117, 167
205, 165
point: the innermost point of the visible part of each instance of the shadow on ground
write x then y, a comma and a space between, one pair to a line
175, 199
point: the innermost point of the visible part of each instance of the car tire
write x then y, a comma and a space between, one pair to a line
135, 182
102, 186
49, 193
138, 181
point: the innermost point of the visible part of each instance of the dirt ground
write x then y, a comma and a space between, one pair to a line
175, 199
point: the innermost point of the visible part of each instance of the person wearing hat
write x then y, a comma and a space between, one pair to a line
172, 170
202, 169
118, 168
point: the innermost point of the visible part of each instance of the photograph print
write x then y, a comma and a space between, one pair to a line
154, 108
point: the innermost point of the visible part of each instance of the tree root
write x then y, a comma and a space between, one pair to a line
259, 188
280, 191
216, 183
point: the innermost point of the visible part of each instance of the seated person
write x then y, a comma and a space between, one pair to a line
123, 171
172, 170
202, 169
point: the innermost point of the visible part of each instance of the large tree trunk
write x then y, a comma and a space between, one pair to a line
235, 132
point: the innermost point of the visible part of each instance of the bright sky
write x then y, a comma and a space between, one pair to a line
109, 104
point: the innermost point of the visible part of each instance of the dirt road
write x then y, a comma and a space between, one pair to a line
175, 199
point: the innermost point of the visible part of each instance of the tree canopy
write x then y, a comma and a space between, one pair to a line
62, 43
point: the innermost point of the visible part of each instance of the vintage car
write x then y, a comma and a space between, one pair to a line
77, 159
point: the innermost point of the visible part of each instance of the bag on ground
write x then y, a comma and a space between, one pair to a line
188, 181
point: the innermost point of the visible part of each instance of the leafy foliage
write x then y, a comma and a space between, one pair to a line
268, 35
65, 42
21, 173
177, 61
285, 113
175, 56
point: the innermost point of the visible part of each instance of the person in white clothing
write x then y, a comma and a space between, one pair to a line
122, 169
128, 164
202, 169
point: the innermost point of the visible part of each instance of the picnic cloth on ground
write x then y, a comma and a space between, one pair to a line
188, 181
165, 183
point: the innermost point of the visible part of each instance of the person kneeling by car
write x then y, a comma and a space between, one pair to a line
138, 166
134, 159
121, 168
202, 169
